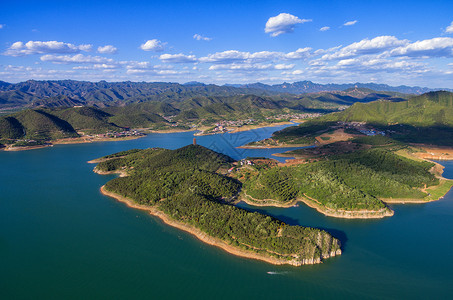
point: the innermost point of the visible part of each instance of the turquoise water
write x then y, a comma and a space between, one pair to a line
61, 239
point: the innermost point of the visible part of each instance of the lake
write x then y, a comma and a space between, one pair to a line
60, 238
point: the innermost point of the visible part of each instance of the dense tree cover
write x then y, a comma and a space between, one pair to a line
250, 230
38, 125
121, 153
430, 109
86, 119
350, 181
10, 128
303, 134
185, 185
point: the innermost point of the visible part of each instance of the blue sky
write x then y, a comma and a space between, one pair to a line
393, 42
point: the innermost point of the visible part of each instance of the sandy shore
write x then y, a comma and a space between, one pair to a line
276, 146
26, 148
345, 214
435, 153
348, 214
171, 130
204, 237
83, 140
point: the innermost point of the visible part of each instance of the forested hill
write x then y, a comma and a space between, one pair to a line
188, 185
430, 109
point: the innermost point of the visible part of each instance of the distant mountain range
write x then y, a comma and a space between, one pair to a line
66, 93
302, 87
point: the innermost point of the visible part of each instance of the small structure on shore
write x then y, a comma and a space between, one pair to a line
194, 141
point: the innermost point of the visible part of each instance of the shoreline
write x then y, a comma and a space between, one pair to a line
213, 241
246, 128
71, 141
342, 214
26, 148
276, 146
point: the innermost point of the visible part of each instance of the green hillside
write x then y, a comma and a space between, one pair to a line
186, 186
87, 119
11, 128
345, 182
430, 109
40, 125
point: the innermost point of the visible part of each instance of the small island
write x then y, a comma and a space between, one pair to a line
189, 188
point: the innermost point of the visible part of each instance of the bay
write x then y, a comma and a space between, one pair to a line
61, 239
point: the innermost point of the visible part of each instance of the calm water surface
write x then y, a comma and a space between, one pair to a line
61, 239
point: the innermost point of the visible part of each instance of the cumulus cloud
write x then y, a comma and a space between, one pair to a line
178, 58
38, 47
284, 67
350, 23
300, 53
436, 47
366, 46
243, 67
449, 29
107, 49
75, 59
325, 28
283, 23
199, 37
234, 56
97, 67
153, 45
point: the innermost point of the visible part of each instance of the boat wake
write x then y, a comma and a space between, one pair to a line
277, 273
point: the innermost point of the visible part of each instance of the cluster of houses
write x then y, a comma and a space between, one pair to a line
120, 134
245, 162
361, 127
294, 116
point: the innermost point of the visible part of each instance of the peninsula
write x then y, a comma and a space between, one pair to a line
188, 188
346, 179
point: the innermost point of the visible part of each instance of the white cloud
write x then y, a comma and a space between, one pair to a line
178, 58
366, 46
153, 45
2, 26
199, 37
234, 56
38, 47
350, 23
436, 47
250, 67
241, 67
300, 53
283, 23
325, 28
295, 72
107, 49
97, 67
284, 67
86, 47
78, 58
449, 29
